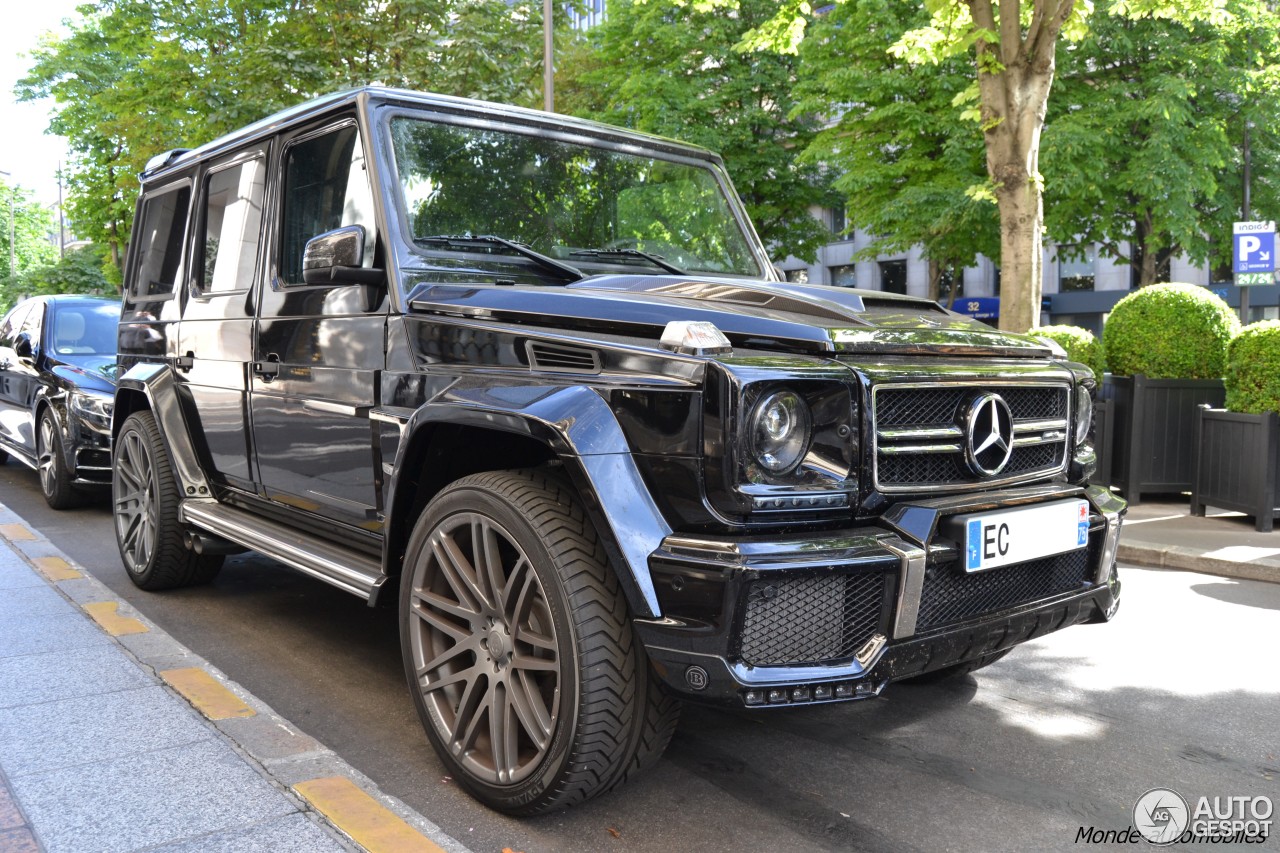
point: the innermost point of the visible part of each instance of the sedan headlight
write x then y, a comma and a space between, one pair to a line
93, 409
780, 427
1084, 412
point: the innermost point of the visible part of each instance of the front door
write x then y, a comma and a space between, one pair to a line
318, 350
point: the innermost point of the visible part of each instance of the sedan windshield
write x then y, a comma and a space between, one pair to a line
588, 206
85, 328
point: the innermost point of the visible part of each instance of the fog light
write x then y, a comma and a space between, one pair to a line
844, 690
754, 697
777, 696
800, 694
865, 689
822, 691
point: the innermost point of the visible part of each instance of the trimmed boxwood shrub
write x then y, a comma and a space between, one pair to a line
1169, 331
1080, 345
1252, 377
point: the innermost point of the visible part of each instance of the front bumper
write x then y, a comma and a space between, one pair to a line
763, 622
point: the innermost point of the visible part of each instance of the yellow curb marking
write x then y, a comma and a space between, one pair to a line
56, 569
368, 822
206, 693
16, 532
104, 613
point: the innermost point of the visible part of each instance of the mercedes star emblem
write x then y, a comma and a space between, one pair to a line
988, 434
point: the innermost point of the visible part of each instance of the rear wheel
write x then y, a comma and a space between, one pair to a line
518, 647
145, 499
51, 463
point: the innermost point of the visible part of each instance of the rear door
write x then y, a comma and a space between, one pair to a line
318, 350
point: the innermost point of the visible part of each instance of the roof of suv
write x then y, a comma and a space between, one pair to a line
376, 95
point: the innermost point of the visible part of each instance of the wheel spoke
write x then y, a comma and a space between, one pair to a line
457, 571
435, 620
502, 741
466, 676
468, 645
435, 601
533, 638
472, 709
488, 557
538, 664
534, 716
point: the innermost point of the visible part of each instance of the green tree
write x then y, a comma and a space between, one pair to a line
78, 271
33, 228
666, 67
901, 156
1013, 47
1141, 143
135, 78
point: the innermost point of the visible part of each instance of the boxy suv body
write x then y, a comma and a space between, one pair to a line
534, 381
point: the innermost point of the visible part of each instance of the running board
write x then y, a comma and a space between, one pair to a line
349, 570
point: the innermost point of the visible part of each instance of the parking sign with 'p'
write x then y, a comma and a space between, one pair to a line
1254, 247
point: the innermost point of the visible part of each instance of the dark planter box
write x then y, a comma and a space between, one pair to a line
1153, 449
1238, 464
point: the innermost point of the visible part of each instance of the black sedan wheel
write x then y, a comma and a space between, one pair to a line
55, 479
145, 498
517, 644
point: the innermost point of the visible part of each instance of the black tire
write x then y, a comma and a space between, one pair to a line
145, 498
577, 706
51, 465
956, 670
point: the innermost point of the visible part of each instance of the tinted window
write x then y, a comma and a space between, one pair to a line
12, 323
325, 187
88, 329
232, 220
164, 219
31, 324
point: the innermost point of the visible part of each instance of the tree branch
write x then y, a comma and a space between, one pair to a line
1010, 31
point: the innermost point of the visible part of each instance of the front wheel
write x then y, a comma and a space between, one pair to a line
51, 463
525, 671
145, 498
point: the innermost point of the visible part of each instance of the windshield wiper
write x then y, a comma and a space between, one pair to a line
568, 272
656, 260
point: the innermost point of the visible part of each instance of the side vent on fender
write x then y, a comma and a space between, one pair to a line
561, 358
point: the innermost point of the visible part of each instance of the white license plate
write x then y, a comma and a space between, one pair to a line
1002, 537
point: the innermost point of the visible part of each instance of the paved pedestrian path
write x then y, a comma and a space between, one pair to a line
115, 737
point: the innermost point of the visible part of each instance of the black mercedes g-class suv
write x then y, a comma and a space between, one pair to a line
535, 381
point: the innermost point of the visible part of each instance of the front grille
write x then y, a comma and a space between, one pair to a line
810, 619
920, 435
951, 594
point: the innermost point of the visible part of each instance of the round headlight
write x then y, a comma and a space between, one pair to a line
1084, 413
779, 429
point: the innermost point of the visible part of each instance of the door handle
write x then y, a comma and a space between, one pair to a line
185, 362
268, 369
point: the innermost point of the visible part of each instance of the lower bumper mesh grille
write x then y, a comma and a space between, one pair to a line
952, 595
809, 619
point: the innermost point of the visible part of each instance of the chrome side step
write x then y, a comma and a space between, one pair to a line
349, 570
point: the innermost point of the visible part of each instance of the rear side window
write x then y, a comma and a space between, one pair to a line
164, 220
232, 222
325, 187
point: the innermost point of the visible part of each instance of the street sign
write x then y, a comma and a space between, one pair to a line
1253, 248
1254, 279
978, 307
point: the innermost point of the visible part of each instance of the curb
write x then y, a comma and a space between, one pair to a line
1191, 559
346, 802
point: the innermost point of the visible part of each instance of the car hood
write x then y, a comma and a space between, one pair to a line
88, 372
753, 314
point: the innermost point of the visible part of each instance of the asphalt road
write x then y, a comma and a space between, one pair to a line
1182, 691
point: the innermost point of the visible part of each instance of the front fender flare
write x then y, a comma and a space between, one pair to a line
578, 425
157, 383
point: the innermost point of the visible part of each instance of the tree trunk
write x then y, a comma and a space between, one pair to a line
935, 279
1014, 77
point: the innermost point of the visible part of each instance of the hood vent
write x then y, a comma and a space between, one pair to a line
561, 358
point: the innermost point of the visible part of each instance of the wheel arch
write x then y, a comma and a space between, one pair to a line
572, 427
153, 387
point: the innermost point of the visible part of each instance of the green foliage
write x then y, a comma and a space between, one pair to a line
79, 271
667, 67
34, 232
910, 167
1252, 377
1169, 331
1137, 151
134, 79
1080, 344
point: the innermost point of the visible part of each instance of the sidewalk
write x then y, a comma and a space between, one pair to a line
1163, 533
115, 737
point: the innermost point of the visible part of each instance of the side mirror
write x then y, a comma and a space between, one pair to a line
22, 346
335, 257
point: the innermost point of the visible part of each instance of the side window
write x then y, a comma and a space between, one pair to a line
31, 325
164, 219
326, 186
12, 324
232, 223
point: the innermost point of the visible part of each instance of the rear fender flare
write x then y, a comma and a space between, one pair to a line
157, 384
